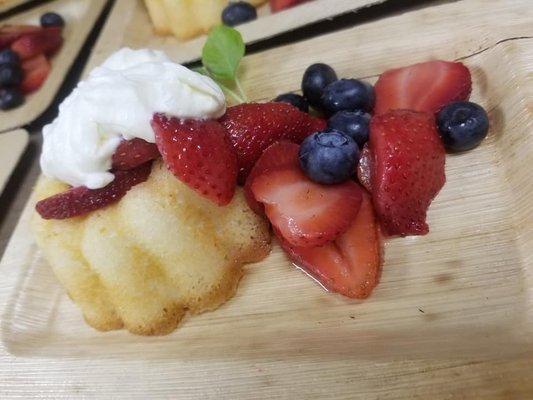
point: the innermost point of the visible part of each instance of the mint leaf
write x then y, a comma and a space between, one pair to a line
223, 52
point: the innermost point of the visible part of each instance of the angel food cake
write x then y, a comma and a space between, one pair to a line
163, 248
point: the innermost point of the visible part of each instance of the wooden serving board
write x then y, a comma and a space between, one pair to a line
451, 318
80, 16
129, 25
12, 145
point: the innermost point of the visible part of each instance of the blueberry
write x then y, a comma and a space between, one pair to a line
10, 75
348, 94
8, 56
462, 125
52, 19
10, 98
295, 99
316, 78
328, 157
352, 123
238, 13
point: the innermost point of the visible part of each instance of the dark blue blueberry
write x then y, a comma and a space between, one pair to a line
8, 56
10, 98
349, 95
316, 78
52, 19
295, 99
328, 157
10, 75
352, 123
238, 13
462, 125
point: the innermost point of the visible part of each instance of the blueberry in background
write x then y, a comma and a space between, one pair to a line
52, 19
10, 75
328, 157
295, 99
8, 56
316, 78
237, 13
10, 98
462, 125
352, 123
349, 95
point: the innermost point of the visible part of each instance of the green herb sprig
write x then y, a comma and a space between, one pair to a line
221, 56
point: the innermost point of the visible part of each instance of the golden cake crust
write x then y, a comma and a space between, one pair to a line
161, 251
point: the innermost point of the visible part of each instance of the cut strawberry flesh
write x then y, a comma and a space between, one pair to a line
306, 213
81, 200
253, 127
280, 155
45, 41
278, 5
10, 33
425, 87
200, 154
132, 153
351, 264
407, 170
36, 70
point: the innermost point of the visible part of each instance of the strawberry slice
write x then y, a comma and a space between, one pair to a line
45, 41
253, 127
407, 169
81, 200
278, 5
280, 155
303, 212
351, 264
132, 153
36, 71
427, 87
200, 154
10, 33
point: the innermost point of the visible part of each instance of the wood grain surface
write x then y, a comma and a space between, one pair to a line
12, 145
129, 25
451, 318
80, 16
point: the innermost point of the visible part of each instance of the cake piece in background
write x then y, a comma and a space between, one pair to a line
186, 19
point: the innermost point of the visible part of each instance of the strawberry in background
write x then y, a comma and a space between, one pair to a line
25, 52
278, 5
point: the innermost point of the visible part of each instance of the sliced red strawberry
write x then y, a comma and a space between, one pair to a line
132, 153
253, 127
278, 5
364, 168
81, 200
427, 87
306, 213
407, 169
200, 154
46, 41
351, 264
280, 155
36, 71
10, 33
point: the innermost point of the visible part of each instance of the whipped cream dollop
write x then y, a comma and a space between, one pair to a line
117, 102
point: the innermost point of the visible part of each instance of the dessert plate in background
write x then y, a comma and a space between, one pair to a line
6, 5
80, 16
12, 145
129, 25
451, 317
